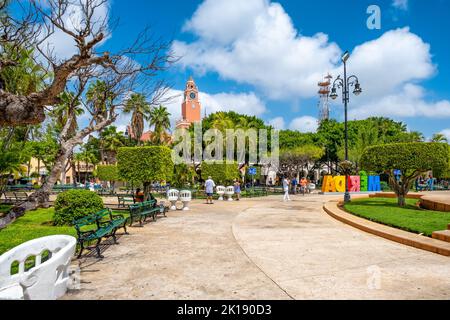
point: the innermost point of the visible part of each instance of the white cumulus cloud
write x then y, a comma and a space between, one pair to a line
278, 123
304, 124
255, 42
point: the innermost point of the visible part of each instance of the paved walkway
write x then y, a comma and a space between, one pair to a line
261, 249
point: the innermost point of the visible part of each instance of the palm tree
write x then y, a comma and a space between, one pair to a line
110, 142
160, 119
222, 122
440, 138
140, 109
99, 97
61, 111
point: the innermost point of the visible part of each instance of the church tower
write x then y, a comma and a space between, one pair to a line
191, 108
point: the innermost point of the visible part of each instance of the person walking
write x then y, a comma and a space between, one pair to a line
237, 190
286, 190
294, 185
303, 185
209, 189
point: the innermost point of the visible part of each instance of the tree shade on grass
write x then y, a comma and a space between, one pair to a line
409, 218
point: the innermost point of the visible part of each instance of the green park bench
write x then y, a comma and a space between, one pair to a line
21, 196
141, 211
97, 226
14, 197
125, 199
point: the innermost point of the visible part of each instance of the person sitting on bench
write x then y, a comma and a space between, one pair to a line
139, 196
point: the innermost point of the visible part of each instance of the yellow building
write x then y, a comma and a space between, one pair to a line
78, 172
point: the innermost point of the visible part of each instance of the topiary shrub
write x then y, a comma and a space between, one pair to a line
75, 204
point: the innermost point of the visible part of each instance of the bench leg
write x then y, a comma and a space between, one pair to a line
131, 220
125, 228
81, 250
114, 237
97, 248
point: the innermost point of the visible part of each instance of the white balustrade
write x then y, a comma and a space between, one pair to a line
220, 190
173, 195
47, 280
185, 197
230, 193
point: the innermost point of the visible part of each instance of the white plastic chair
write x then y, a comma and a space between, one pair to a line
230, 193
173, 195
185, 197
221, 191
311, 187
45, 281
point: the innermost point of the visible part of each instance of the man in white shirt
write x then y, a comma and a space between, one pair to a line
286, 190
209, 189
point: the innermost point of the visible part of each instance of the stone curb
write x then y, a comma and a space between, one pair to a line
397, 235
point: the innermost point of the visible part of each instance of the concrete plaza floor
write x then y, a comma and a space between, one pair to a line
260, 249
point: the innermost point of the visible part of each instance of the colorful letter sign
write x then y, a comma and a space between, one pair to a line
355, 184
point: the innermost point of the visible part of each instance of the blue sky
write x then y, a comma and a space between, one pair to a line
265, 57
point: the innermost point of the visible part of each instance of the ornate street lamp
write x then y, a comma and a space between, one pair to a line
345, 84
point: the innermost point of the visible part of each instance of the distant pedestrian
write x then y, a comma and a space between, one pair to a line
286, 190
237, 190
209, 189
294, 185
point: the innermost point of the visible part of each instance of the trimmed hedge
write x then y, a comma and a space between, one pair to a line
75, 204
107, 173
413, 159
221, 173
145, 165
407, 157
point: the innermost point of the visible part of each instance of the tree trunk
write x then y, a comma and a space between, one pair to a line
146, 190
19, 110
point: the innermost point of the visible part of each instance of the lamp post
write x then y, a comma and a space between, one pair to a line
345, 84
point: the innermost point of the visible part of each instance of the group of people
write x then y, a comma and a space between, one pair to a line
292, 186
209, 190
425, 184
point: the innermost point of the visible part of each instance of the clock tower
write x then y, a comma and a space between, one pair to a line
191, 107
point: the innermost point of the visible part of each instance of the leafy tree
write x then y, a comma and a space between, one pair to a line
110, 142
292, 161
183, 175
140, 110
413, 159
221, 173
145, 165
160, 119
108, 173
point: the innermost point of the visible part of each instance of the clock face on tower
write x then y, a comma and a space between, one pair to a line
192, 95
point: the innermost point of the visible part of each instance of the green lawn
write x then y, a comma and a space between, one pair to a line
4, 208
34, 224
411, 218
